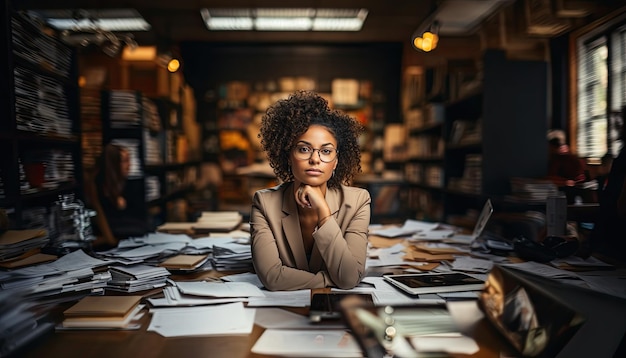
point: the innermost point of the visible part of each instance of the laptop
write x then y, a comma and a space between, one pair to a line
559, 319
479, 227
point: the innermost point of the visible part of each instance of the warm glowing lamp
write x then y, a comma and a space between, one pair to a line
173, 65
427, 40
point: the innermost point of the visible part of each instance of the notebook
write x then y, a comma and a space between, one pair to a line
479, 227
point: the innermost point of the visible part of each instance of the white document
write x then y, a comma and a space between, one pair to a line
174, 298
471, 264
298, 298
219, 289
388, 256
226, 319
307, 343
433, 235
278, 318
248, 277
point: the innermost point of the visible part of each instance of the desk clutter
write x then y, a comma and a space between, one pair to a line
176, 285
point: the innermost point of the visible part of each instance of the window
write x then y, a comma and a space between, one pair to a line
601, 90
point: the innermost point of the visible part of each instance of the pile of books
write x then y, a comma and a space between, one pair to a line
103, 312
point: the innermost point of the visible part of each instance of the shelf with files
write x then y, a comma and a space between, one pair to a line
128, 121
40, 127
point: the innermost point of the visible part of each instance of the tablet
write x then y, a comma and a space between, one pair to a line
422, 283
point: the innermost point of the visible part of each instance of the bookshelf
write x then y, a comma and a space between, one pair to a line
150, 128
39, 127
480, 141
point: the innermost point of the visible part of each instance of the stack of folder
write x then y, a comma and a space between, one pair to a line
21, 247
217, 221
184, 262
102, 312
135, 278
209, 221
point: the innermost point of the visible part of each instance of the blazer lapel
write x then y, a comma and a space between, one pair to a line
291, 228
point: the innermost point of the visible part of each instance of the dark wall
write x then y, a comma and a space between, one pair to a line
207, 65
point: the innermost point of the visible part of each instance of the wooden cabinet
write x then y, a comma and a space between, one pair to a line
39, 122
491, 135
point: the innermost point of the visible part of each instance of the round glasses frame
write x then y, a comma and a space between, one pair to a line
305, 152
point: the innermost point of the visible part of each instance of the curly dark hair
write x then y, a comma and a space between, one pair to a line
288, 119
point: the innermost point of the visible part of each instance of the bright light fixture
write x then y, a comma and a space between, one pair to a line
283, 19
113, 20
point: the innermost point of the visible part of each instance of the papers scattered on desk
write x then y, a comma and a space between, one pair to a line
218, 320
307, 343
409, 228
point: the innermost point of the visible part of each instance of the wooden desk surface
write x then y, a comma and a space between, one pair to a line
143, 343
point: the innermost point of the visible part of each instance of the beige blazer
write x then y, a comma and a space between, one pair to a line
340, 247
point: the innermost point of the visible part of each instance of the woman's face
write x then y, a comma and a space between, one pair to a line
314, 156
124, 163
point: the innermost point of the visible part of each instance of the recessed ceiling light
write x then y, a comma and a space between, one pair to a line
105, 19
283, 19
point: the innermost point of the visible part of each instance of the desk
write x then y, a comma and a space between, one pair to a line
144, 344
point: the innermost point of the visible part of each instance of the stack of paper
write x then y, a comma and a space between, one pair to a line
103, 312
232, 257
68, 278
136, 278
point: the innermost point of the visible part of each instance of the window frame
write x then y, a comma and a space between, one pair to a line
598, 32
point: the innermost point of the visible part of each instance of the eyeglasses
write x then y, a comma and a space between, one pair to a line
305, 152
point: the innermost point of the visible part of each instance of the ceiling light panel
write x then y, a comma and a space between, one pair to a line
284, 19
104, 19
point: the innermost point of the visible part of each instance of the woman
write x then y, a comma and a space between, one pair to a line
311, 230
119, 214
